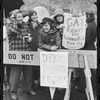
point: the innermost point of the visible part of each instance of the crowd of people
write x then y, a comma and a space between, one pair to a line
47, 35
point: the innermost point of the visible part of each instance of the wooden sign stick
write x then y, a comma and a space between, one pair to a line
88, 76
67, 93
52, 92
87, 90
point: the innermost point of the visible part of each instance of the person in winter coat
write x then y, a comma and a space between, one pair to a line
91, 35
58, 18
7, 68
34, 27
49, 38
19, 40
59, 21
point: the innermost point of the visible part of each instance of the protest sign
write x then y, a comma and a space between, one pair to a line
54, 69
33, 58
21, 58
74, 32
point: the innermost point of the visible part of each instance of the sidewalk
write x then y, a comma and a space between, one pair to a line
44, 94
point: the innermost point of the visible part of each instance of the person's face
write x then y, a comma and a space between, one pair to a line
46, 27
34, 17
59, 18
87, 16
19, 17
12, 19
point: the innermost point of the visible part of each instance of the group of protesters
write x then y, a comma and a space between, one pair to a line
46, 35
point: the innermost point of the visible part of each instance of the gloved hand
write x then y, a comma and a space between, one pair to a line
28, 38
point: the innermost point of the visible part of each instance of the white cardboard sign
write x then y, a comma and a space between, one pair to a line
54, 69
74, 32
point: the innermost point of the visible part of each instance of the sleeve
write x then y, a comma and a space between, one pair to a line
93, 31
42, 45
12, 30
58, 40
25, 31
28, 30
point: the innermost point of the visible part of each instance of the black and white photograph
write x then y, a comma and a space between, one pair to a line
50, 49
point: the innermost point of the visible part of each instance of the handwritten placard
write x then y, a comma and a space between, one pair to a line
54, 69
74, 32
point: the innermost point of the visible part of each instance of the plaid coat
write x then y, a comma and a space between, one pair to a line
15, 34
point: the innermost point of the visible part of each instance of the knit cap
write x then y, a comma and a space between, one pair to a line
58, 12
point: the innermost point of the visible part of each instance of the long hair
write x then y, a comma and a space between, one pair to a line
30, 14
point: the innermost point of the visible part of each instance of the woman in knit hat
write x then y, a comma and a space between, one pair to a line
49, 37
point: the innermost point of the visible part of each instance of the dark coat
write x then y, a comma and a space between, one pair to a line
91, 35
35, 35
47, 40
15, 34
55, 25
